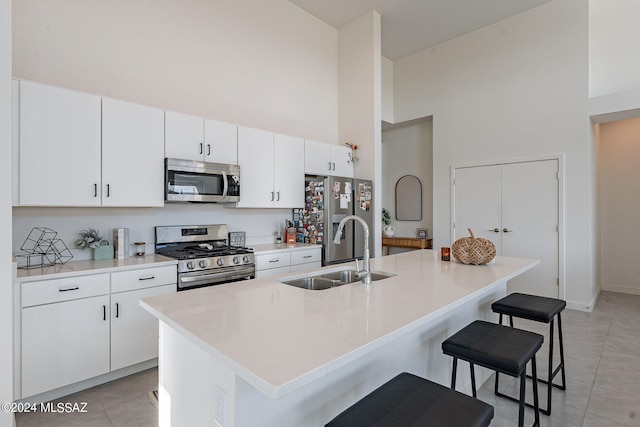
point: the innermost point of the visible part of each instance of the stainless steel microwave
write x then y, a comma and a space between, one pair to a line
194, 181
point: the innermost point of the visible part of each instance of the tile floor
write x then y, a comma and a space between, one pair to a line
602, 350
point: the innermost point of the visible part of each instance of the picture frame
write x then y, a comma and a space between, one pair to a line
422, 233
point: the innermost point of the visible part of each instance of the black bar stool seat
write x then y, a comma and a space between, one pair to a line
538, 309
408, 400
499, 348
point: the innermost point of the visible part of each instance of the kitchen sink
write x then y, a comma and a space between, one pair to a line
319, 281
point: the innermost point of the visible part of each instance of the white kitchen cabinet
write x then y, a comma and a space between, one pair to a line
194, 138
59, 146
272, 172
132, 154
307, 259
65, 338
134, 331
327, 159
286, 260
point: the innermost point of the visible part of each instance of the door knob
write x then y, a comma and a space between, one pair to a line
506, 230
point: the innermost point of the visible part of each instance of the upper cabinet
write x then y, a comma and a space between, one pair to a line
75, 151
59, 147
194, 138
327, 159
132, 154
272, 174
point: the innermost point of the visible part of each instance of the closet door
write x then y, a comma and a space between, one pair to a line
530, 223
515, 206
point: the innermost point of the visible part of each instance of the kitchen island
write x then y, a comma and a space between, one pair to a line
263, 353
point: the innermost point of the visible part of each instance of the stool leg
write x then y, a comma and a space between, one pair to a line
500, 321
453, 373
511, 321
523, 381
473, 379
536, 405
564, 381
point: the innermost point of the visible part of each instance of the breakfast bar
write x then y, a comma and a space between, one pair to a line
261, 352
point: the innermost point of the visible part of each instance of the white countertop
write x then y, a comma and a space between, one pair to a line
275, 247
280, 337
84, 267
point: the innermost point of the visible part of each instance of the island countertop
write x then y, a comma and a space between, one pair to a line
279, 337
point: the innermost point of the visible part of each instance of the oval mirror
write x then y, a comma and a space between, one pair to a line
409, 199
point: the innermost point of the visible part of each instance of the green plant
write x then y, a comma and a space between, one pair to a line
386, 218
89, 238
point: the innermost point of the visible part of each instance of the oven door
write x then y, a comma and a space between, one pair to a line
198, 279
193, 181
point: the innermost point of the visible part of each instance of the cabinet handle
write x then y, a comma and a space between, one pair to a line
208, 149
278, 198
75, 288
95, 190
201, 148
506, 230
104, 313
329, 165
108, 190
117, 310
495, 230
272, 196
308, 256
275, 260
147, 278
334, 166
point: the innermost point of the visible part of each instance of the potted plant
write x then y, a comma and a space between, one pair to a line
92, 239
388, 229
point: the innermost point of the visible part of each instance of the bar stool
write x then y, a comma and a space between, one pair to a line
538, 309
501, 349
408, 400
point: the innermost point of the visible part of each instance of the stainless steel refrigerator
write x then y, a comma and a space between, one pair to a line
327, 201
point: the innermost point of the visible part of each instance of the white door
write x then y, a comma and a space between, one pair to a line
255, 157
317, 158
132, 154
59, 146
220, 142
516, 207
184, 136
288, 171
134, 331
340, 161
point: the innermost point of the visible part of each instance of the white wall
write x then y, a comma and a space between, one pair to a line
387, 90
614, 34
261, 63
6, 290
619, 178
360, 102
407, 150
512, 90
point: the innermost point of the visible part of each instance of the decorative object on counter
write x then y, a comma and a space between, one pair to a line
278, 237
41, 248
238, 238
353, 156
89, 238
445, 253
388, 229
103, 251
121, 242
422, 233
473, 250
140, 248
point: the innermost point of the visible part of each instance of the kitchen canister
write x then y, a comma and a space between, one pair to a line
121, 242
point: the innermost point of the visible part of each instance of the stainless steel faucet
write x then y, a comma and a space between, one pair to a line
365, 274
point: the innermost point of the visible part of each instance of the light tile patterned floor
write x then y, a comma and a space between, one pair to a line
602, 351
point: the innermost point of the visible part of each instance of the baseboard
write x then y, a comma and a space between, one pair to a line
610, 287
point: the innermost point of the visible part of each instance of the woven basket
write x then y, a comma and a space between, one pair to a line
472, 250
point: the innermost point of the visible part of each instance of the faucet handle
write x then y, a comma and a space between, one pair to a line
357, 267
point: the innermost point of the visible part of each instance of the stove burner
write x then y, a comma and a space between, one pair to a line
192, 252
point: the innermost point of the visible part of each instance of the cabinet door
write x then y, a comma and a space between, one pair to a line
132, 154
340, 164
255, 157
288, 171
59, 146
64, 343
134, 331
317, 158
220, 142
184, 136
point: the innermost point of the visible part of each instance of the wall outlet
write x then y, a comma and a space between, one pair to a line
219, 406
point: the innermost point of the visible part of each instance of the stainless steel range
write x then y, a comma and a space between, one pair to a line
204, 256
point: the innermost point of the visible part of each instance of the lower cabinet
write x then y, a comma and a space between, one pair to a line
63, 343
134, 331
287, 260
73, 329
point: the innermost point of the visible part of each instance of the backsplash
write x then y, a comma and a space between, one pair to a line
259, 224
